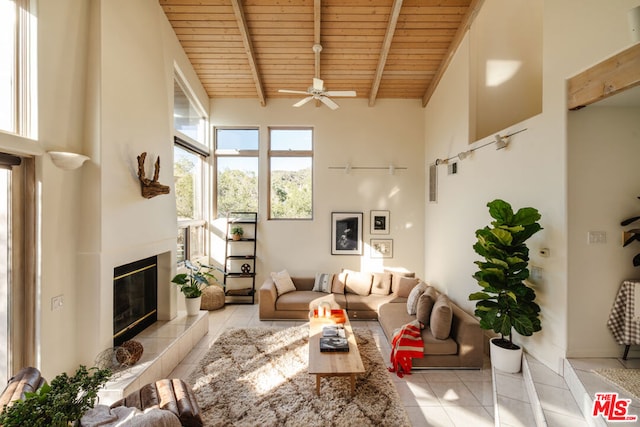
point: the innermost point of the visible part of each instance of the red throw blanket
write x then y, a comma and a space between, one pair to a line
407, 343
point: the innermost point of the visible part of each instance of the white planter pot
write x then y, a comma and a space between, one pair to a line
505, 360
193, 305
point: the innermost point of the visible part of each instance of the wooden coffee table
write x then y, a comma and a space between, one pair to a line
329, 364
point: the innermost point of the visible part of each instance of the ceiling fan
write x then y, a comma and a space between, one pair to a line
319, 92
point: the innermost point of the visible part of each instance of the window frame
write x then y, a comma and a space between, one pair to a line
233, 153
290, 153
203, 152
25, 90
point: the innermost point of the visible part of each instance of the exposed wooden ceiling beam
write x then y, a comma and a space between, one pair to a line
471, 14
384, 51
607, 78
248, 47
317, 13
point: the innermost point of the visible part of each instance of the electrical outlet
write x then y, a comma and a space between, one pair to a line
536, 274
597, 237
57, 302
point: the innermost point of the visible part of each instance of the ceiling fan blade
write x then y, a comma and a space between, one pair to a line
341, 93
303, 101
299, 92
318, 84
329, 103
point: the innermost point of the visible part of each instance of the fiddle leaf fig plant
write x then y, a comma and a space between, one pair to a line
506, 302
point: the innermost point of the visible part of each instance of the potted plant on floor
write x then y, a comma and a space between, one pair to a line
506, 303
192, 283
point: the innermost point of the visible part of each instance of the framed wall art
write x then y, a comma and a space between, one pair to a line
346, 233
381, 248
379, 222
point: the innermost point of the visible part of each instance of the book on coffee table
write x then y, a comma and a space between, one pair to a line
333, 331
334, 344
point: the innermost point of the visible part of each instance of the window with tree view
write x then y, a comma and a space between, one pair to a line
237, 170
291, 173
189, 172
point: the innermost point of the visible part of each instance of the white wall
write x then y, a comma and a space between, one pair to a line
604, 183
389, 133
530, 172
105, 89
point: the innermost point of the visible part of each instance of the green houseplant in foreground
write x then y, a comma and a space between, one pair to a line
194, 280
506, 302
60, 404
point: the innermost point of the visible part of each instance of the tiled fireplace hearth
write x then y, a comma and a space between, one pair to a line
166, 341
165, 344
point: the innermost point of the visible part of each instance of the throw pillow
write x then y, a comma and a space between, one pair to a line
323, 283
396, 275
337, 287
358, 282
424, 308
412, 300
405, 284
283, 282
381, 283
441, 316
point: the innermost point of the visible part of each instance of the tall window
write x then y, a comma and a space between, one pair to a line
189, 160
237, 170
18, 90
290, 173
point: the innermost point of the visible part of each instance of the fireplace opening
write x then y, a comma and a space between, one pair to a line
135, 298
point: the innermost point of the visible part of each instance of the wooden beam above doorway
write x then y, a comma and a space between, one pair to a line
613, 75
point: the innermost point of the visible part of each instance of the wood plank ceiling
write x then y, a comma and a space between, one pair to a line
379, 48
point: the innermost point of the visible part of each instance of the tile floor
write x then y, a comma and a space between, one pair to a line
443, 398
458, 398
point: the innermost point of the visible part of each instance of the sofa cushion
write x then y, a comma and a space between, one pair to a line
323, 282
303, 300
337, 287
423, 310
283, 282
441, 317
405, 285
412, 299
395, 277
358, 282
393, 316
381, 283
334, 300
370, 302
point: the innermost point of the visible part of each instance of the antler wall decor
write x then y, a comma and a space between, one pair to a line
631, 235
150, 187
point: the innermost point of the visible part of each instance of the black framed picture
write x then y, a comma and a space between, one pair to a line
346, 233
379, 222
381, 248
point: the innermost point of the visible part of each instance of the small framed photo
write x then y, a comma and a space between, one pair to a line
346, 233
379, 222
381, 248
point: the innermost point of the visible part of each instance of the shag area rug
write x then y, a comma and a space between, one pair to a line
259, 377
626, 379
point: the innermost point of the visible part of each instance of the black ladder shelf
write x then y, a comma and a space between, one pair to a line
240, 258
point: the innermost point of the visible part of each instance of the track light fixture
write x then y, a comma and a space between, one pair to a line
500, 141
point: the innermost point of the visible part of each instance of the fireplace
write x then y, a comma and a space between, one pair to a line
135, 298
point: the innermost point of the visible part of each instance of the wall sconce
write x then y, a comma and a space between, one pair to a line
67, 160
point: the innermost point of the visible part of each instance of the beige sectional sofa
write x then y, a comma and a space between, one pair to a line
382, 297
